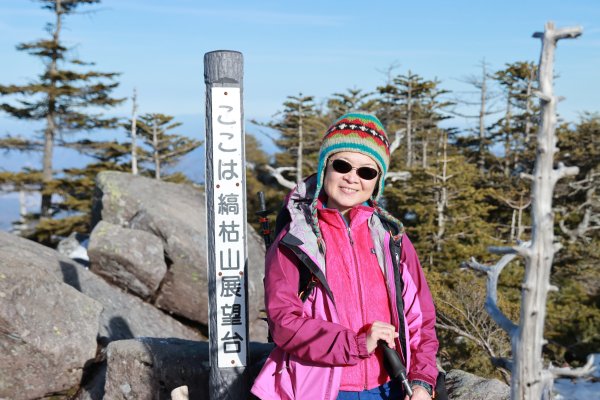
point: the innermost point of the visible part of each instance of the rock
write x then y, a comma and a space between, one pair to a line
124, 316
176, 213
75, 247
47, 329
150, 368
131, 259
465, 386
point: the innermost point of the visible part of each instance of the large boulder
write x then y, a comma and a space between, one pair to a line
176, 213
124, 316
150, 368
462, 385
48, 329
130, 258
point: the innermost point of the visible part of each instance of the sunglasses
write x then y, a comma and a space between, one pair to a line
343, 167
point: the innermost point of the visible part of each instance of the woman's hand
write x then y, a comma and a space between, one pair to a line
419, 393
380, 331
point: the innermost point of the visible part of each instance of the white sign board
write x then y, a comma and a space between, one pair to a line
229, 199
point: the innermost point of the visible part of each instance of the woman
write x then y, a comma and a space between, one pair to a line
368, 282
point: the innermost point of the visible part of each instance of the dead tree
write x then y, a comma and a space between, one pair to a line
134, 160
441, 193
486, 103
516, 226
591, 217
530, 381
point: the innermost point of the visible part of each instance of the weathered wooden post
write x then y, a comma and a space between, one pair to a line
226, 225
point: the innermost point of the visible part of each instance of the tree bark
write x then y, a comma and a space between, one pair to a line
134, 166
155, 146
300, 143
482, 113
528, 380
51, 126
409, 133
507, 137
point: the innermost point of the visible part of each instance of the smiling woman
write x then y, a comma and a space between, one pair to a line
356, 253
347, 186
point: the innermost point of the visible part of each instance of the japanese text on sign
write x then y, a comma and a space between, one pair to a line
230, 241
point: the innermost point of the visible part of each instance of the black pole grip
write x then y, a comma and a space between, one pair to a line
394, 367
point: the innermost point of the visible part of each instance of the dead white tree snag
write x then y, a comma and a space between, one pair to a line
530, 381
134, 160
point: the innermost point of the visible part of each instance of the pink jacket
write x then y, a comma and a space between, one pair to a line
312, 346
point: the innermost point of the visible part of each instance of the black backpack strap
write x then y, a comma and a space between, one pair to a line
396, 251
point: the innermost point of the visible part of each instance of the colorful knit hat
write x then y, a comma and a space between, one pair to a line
361, 133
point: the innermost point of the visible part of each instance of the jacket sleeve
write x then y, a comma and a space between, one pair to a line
309, 339
420, 317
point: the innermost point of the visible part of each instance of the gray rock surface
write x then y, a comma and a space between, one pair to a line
150, 368
129, 258
176, 213
47, 329
462, 385
124, 316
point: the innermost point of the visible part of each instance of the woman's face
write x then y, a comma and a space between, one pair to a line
346, 190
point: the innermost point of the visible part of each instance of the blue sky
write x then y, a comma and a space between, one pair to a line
314, 47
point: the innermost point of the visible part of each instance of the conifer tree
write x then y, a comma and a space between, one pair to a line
352, 100
413, 106
61, 96
518, 124
476, 142
165, 149
75, 187
300, 127
573, 331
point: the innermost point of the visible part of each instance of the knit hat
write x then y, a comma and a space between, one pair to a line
360, 133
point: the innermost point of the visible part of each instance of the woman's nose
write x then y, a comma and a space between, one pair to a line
351, 176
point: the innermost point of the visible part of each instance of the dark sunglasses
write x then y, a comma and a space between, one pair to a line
343, 167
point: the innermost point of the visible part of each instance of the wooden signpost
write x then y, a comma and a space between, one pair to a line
226, 225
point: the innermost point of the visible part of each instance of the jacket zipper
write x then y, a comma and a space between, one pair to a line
360, 296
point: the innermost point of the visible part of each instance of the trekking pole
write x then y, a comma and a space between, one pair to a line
394, 366
264, 220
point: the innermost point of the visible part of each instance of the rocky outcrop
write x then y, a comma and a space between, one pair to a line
465, 386
129, 258
150, 368
53, 315
176, 214
47, 329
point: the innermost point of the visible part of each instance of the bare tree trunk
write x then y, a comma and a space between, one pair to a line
155, 147
409, 132
517, 228
513, 224
300, 144
134, 166
482, 113
528, 380
507, 137
443, 203
51, 128
520, 227
424, 156
441, 194
528, 124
